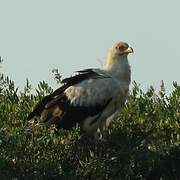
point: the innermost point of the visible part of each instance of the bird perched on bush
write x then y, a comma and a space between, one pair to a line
91, 97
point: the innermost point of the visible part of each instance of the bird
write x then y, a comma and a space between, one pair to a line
91, 97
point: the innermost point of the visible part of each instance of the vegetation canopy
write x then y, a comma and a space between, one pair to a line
143, 141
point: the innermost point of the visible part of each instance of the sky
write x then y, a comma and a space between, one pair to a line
37, 36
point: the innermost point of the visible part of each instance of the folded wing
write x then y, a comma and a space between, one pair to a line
83, 95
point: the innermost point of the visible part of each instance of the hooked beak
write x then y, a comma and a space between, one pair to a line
129, 50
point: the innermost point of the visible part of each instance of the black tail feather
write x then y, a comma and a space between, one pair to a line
39, 107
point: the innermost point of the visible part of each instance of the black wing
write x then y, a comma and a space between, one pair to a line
58, 110
64, 115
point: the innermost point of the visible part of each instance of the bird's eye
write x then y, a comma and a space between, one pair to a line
122, 47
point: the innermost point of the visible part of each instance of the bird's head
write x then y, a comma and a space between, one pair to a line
117, 54
120, 49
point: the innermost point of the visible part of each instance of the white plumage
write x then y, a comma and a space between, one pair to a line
91, 97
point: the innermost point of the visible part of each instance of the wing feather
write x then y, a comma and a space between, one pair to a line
58, 109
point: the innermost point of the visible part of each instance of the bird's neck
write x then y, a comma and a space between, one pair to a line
119, 67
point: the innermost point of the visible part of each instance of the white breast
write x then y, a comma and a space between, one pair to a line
107, 115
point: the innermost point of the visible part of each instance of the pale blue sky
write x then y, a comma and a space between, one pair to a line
39, 35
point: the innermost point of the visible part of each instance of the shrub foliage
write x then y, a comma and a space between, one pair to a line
143, 141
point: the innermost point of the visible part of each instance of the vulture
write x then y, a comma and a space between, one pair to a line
91, 97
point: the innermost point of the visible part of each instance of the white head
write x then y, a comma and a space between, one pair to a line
117, 53
120, 49
117, 62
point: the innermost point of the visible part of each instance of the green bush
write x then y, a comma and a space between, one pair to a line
143, 141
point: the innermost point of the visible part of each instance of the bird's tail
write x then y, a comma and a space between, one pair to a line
39, 108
